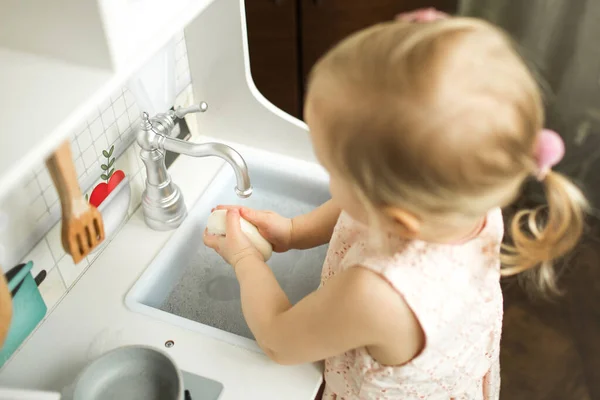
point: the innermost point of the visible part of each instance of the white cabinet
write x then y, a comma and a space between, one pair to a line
136, 27
59, 58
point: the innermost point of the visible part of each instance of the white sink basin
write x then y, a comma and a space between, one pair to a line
189, 285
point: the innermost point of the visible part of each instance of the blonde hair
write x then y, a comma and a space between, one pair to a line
441, 120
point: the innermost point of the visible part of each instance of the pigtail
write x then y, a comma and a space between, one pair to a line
542, 235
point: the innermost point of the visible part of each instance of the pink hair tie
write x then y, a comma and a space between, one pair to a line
422, 15
549, 150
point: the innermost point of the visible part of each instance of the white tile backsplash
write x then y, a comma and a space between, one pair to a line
112, 134
96, 128
44, 179
119, 106
105, 104
75, 149
118, 93
41, 256
50, 196
123, 123
129, 99
133, 112
79, 167
32, 189
89, 157
84, 140
101, 144
52, 288
55, 209
33, 230
94, 115
69, 270
28, 177
38, 208
54, 243
108, 117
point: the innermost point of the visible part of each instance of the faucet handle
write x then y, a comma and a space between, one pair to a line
183, 111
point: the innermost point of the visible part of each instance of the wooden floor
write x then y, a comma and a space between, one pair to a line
551, 350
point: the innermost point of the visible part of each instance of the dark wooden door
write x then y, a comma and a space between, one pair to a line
286, 37
326, 22
274, 53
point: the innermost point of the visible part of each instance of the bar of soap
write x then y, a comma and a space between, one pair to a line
217, 225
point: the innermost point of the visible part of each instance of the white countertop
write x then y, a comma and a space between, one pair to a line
93, 318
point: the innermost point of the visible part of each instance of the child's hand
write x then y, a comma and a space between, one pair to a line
235, 246
422, 15
272, 226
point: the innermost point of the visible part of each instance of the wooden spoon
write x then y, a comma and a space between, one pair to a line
82, 226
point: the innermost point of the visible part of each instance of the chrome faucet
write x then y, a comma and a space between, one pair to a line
162, 201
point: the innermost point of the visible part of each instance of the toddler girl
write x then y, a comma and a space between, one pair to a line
427, 130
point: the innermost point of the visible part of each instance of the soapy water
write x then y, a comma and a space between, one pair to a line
208, 291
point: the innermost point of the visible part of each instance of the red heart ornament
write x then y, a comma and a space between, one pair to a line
99, 193
115, 179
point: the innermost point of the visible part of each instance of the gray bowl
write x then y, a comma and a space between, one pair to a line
130, 373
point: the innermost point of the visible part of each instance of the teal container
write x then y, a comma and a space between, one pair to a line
28, 308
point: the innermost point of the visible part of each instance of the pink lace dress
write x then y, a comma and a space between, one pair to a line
454, 291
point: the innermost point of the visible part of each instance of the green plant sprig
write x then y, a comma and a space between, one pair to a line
108, 167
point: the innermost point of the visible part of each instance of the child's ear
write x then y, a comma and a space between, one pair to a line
408, 223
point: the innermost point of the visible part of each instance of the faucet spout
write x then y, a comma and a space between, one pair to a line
162, 200
243, 188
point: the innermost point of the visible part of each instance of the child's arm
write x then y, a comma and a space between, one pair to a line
302, 232
353, 310
316, 227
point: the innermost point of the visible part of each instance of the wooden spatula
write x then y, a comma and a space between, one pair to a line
82, 226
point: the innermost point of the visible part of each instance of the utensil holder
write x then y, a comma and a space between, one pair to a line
29, 308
